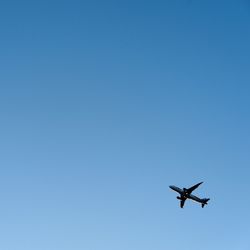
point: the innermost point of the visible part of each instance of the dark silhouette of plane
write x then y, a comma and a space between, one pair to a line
185, 193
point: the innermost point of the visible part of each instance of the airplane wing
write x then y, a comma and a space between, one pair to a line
182, 202
190, 190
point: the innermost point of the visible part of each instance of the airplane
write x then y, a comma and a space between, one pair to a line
185, 193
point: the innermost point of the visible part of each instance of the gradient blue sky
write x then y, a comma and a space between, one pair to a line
104, 104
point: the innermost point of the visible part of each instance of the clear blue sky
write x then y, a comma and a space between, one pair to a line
104, 104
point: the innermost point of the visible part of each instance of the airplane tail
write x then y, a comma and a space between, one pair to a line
204, 202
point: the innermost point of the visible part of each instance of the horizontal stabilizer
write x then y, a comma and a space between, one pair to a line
204, 202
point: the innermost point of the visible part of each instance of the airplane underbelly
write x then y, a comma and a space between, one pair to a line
194, 198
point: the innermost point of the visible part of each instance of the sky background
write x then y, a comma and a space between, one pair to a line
104, 104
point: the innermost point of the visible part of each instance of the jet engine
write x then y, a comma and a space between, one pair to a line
178, 197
